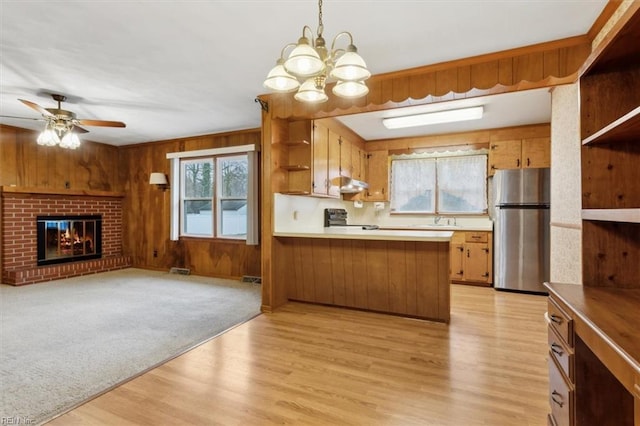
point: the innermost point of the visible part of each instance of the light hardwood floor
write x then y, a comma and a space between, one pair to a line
309, 364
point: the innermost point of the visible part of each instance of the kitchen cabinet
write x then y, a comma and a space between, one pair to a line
531, 153
310, 158
377, 176
606, 307
471, 258
326, 162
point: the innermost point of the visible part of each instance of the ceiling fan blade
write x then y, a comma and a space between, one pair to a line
102, 123
22, 118
79, 129
37, 107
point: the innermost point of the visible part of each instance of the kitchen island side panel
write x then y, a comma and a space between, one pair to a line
402, 278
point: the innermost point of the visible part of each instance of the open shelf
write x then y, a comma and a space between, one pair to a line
621, 129
612, 215
298, 142
295, 167
295, 192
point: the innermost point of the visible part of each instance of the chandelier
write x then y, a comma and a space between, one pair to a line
313, 65
59, 131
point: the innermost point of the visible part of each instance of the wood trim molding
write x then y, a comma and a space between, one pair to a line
530, 67
566, 225
603, 18
56, 191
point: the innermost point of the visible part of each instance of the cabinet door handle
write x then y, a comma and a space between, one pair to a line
461, 249
518, 162
555, 395
468, 253
555, 318
460, 272
528, 162
486, 250
557, 349
486, 274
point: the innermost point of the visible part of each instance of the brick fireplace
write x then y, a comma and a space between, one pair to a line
20, 211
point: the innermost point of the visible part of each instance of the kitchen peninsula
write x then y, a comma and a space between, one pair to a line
400, 272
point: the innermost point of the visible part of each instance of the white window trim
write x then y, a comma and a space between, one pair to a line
252, 196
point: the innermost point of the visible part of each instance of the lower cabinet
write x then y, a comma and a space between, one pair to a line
561, 366
471, 258
407, 278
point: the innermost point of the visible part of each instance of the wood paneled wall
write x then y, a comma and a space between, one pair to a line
24, 163
97, 166
146, 213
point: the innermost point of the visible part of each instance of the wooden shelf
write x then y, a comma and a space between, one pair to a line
622, 129
295, 192
300, 142
295, 167
58, 191
612, 215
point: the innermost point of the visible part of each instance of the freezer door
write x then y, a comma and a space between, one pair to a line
522, 249
522, 186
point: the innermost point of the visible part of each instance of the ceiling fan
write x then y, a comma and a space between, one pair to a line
62, 125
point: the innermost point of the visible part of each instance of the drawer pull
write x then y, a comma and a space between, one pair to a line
557, 349
555, 394
555, 318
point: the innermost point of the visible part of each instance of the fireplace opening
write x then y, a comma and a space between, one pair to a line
68, 238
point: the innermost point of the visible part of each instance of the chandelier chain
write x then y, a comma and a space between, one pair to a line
320, 24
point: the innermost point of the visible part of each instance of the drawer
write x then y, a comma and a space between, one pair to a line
563, 355
561, 322
560, 396
476, 237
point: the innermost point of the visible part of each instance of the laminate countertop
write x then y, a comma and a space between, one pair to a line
357, 233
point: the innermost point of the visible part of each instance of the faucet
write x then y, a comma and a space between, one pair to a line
436, 220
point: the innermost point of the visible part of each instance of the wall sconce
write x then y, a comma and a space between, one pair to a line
159, 179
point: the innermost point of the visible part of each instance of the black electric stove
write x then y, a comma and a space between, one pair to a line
338, 217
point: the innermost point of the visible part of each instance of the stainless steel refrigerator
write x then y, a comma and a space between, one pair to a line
521, 229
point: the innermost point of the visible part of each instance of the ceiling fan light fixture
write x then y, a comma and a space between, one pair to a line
70, 140
311, 60
439, 117
48, 137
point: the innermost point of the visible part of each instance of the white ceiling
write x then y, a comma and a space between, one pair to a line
171, 69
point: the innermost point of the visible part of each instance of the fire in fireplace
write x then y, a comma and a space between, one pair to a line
68, 238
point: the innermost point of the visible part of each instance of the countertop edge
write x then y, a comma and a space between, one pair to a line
441, 236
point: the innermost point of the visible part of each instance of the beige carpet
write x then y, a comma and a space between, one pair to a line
66, 341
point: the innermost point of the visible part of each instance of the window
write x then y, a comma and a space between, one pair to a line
214, 193
439, 185
214, 196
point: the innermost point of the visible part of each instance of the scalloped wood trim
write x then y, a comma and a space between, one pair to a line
532, 67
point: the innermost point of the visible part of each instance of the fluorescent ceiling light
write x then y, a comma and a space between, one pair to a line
448, 116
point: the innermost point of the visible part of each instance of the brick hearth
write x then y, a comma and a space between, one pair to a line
19, 246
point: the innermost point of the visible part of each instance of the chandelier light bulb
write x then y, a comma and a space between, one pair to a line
70, 140
311, 92
350, 89
304, 61
350, 67
280, 80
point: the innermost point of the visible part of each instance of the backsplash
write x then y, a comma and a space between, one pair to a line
300, 213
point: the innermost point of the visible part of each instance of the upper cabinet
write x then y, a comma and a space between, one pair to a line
530, 153
377, 176
313, 155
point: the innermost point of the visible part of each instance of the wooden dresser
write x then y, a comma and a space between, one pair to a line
594, 328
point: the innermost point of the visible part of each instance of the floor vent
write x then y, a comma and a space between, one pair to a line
180, 271
251, 279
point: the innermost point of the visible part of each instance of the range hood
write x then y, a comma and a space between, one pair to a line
352, 186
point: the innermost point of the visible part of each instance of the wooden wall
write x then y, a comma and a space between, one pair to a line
146, 213
24, 163
126, 169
